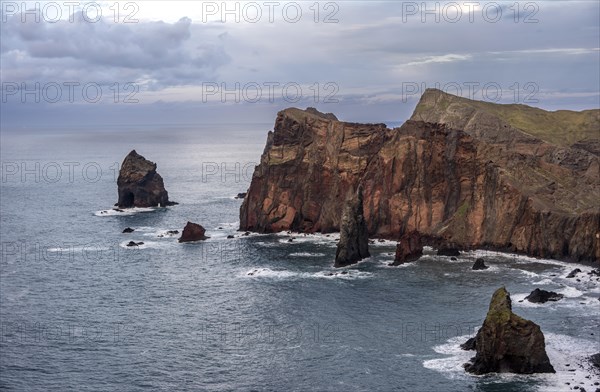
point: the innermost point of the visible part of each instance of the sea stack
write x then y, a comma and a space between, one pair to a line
192, 232
409, 248
139, 185
354, 236
507, 343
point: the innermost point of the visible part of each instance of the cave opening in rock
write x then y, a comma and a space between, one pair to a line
128, 200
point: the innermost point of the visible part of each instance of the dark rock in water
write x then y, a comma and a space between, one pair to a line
128, 230
573, 273
453, 258
132, 243
507, 343
469, 345
479, 265
172, 232
241, 195
448, 251
139, 185
192, 232
246, 233
409, 248
230, 236
538, 296
595, 360
354, 237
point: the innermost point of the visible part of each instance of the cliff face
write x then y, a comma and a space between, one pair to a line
489, 184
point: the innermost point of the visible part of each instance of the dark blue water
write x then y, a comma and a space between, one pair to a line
81, 311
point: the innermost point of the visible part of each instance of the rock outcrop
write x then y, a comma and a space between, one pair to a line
139, 185
409, 248
458, 173
542, 296
192, 232
354, 237
507, 343
479, 265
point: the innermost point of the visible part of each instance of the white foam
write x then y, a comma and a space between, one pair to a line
561, 350
124, 212
285, 274
570, 292
306, 254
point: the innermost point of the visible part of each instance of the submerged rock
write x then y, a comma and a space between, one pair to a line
139, 185
128, 230
409, 248
507, 343
542, 296
354, 237
479, 264
448, 251
192, 232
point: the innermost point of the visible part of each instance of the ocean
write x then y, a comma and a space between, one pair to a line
81, 311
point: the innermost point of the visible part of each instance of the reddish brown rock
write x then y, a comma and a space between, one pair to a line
409, 248
507, 343
489, 185
192, 232
139, 185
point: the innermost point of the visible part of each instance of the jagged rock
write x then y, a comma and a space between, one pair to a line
132, 243
408, 249
573, 273
460, 171
139, 185
479, 264
469, 345
542, 296
354, 238
448, 251
192, 232
241, 195
507, 343
128, 230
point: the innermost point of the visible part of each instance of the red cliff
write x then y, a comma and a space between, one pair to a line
459, 172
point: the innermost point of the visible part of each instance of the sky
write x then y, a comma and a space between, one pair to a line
93, 64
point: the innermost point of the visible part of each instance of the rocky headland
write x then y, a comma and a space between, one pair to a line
461, 173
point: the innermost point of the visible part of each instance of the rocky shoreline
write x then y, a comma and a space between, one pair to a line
458, 173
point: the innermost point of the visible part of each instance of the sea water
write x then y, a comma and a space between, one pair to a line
82, 311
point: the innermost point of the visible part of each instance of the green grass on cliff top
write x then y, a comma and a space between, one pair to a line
562, 127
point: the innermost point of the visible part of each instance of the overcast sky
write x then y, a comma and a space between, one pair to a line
168, 62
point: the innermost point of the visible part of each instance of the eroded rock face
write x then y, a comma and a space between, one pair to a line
543, 296
507, 343
354, 237
139, 185
192, 232
409, 248
491, 185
